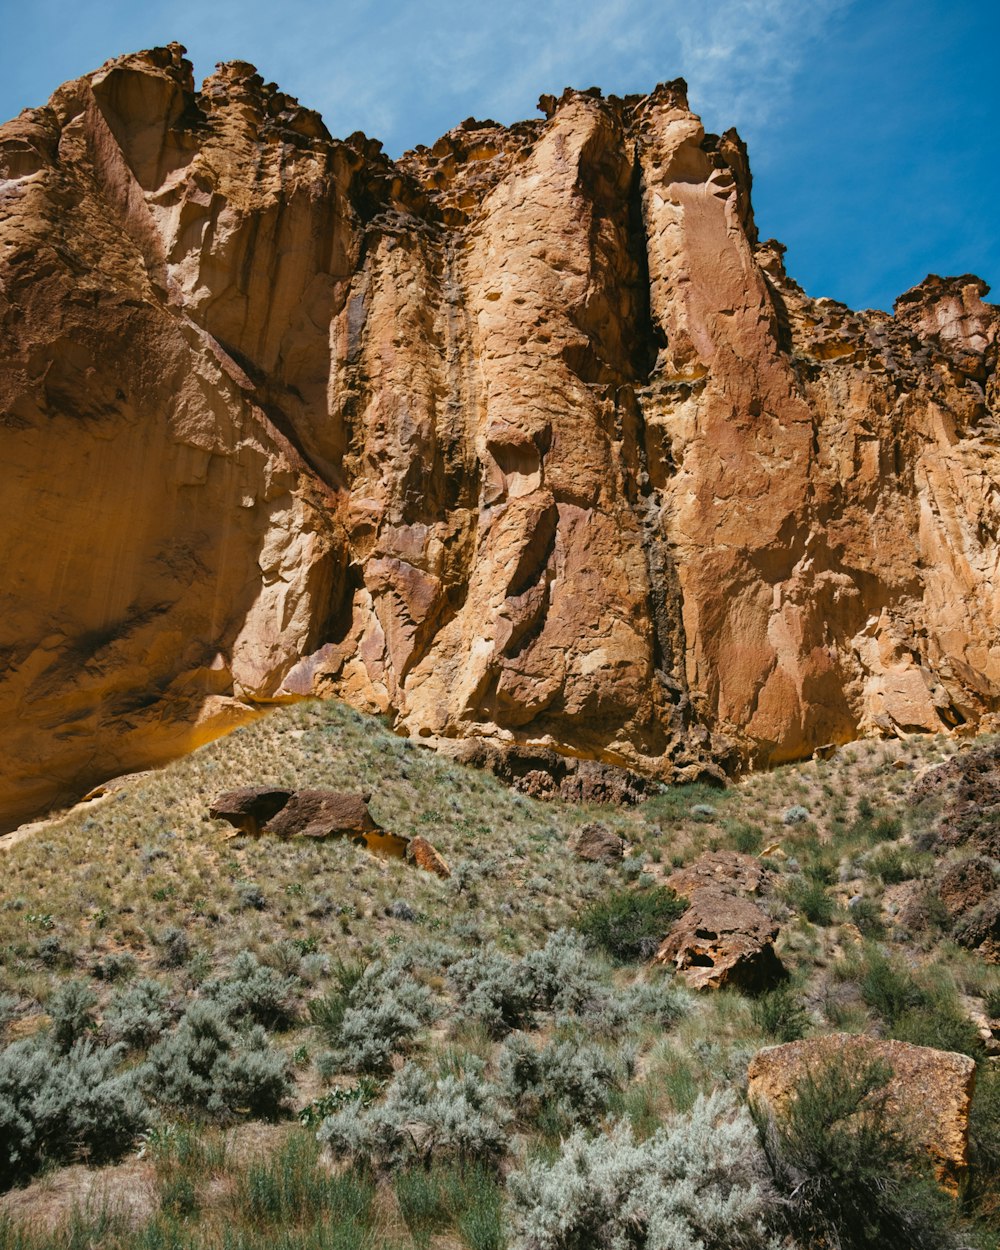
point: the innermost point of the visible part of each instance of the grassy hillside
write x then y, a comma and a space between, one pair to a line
321, 972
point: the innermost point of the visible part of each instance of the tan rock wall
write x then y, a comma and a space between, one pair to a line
524, 437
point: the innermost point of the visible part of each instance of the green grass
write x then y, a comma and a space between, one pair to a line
102, 893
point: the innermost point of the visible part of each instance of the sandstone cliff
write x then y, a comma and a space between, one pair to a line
522, 439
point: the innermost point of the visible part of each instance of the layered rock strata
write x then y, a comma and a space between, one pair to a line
524, 439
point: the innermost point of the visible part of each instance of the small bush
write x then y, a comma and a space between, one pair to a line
810, 898
849, 1177
56, 1106
115, 967
175, 948
924, 1014
327, 1012
630, 924
374, 1013
137, 1016
562, 974
71, 1008
204, 1066
780, 1014
494, 990
746, 838
893, 864
795, 815
697, 1182
568, 1082
867, 915
254, 991
423, 1119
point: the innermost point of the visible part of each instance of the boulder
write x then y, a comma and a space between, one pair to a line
323, 814
967, 788
425, 856
929, 1092
728, 871
249, 807
967, 884
723, 939
979, 929
597, 844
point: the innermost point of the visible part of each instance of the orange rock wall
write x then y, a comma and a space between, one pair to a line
524, 437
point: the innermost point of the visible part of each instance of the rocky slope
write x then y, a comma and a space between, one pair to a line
524, 439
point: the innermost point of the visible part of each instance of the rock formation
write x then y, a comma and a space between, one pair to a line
928, 1094
722, 939
524, 439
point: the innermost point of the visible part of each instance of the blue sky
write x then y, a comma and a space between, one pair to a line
873, 125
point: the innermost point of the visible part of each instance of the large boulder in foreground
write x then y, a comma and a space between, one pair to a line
929, 1092
723, 939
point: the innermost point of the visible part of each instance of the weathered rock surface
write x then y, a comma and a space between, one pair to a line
426, 856
249, 807
322, 814
525, 438
728, 871
929, 1093
966, 789
723, 939
597, 844
968, 884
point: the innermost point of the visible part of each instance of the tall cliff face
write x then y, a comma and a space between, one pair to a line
522, 439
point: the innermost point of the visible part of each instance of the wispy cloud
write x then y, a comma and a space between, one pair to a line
406, 71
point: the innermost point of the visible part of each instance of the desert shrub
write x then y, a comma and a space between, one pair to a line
423, 1119
8, 1009
494, 990
250, 897
327, 1011
71, 1007
205, 1066
924, 1014
809, 896
138, 1015
991, 1001
562, 974
895, 863
254, 991
866, 913
886, 986
117, 966
848, 1175
780, 1014
697, 1182
373, 1012
795, 815
659, 1002
745, 837
629, 925
984, 1135
570, 1083
175, 948
940, 1021
55, 1105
